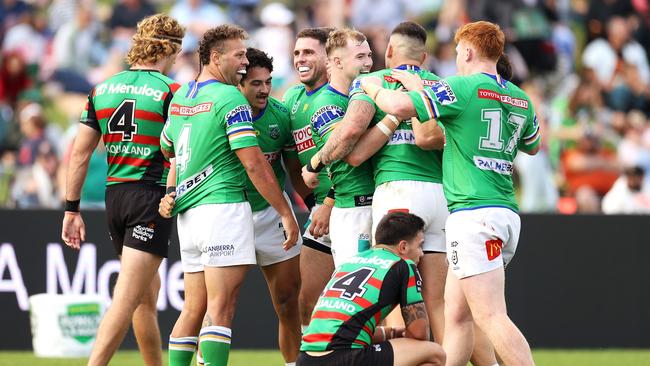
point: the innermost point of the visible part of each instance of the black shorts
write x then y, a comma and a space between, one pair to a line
133, 218
380, 354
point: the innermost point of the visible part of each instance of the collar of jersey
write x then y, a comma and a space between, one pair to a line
330, 88
408, 67
146, 70
501, 81
309, 93
194, 87
259, 115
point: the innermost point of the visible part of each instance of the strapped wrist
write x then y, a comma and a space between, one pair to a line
72, 206
315, 165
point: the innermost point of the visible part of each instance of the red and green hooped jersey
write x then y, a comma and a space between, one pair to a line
400, 158
208, 121
360, 294
273, 130
487, 120
130, 110
299, 101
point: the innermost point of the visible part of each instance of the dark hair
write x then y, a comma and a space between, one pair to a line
397, 226
411, 30
257, 58
504, 67
320, 34
634, 170
216, 37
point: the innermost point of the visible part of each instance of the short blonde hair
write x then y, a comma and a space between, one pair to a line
157, 36
339, 39
486, 37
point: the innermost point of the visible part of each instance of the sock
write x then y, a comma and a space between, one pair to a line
181, 350
214, 342
303, 328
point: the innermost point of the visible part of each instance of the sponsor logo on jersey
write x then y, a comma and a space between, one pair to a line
493, 248
382, 263
324, 116
128, 149
496, 165
193, 181
274, 131
183, 110
442, 91
222, 250
401, 137
272, 157
355, 87
490, 94
335, 304
294, 109
303, 140
143, 233
120, 88
241, 113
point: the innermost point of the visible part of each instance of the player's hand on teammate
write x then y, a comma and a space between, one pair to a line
167, 205
311, 179
409, 80
74, 230
320, 222
291, 231
368, 80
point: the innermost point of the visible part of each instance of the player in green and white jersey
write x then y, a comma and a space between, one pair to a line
486, 120
281, 268
345, 330
351, 219
211, 135
316, 264
128, 111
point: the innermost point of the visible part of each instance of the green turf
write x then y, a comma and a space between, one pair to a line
610, 357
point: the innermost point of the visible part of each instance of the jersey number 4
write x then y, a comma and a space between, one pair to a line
494, 141
123, 120
352, 284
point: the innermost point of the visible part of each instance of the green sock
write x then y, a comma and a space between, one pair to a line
214, 342
181, 350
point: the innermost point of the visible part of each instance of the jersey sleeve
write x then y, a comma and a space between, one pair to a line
325, 118
405, 280
238, 120
530, 135
166, 141
88, 116
356, 92
444, 99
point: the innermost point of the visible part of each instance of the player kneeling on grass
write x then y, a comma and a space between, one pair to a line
344, 325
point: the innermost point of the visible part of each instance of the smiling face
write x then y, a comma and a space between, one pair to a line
354, 59
310, 61
232, 62
257, 87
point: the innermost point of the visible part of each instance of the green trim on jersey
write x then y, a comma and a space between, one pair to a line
208, 121
361, 293
298, 100
353, 185
130, 109
486, 121
273, 130
400, 158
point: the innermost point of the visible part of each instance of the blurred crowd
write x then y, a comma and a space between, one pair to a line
583, 63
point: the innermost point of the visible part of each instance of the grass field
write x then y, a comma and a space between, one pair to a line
609, 357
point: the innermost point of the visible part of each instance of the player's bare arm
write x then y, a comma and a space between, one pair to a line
393, 102
350, 129
294, 168
428, 135
73, 231
372, 140
264, 180
167, 202
416, 321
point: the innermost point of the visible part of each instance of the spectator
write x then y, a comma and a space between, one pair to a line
276, 38
13, 78
197, 16
32, 126
35, 185
589, 165
8, 160
620, 65
10, 13
627, 196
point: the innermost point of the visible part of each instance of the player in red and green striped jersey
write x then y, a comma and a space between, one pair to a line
128, 112
344, 328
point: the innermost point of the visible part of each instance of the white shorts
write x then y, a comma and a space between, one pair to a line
269, 236
481, 240
424, 199
216, 235
350, 232
324, 240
